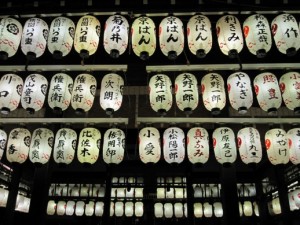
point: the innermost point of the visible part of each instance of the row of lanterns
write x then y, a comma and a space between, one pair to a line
77, 190
169, 210
35, 36
22, 202
208, 210
248, 208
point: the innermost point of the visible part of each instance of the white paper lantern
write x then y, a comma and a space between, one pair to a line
113, 146
296, 196
171, 37
139, 209
61, 208
34, 38
247, 208
198, 211
198, 192
143, 37
3, 139
256, 208
84, 91
218, 209
292, 203
112, 209
3, 197
79, 209
293, 136
179, 193
99, 209
129, 193
224, 145
277, 146
23, 206
230, 35
208, 210
199, 35
158, 210
198, 145
276, 206
285, 32
139, 192
51, 207
84, 191
119, 209
240, 91
178, 210
64, 146
267, 92
257, 35
120, 193
87, 36
61, 37
70, 208
168, 210
213, 92
170, 193
160, 193
129, 209
174, 145
89, 208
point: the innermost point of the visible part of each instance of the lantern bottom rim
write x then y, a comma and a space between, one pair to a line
162, 112
84, 54
233, 54
31, 56
57, 54
215, 111
291, 51
3, 55
200, 53
5, 110
172, 55
144, 55
272, 111
79, 111
297, 110
242, 110
261, 53
114, 53
109, 111
30, 110
57, 110
188, 110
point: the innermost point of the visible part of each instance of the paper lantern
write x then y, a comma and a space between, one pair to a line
34, 38
218, 209
198, 211
51, 207
84, 91
285, 32
41, 145
257, 35
240, 91
170, 193
292, 203
267, 92
178, 210
111, 93
293, 136
256, 209
198, 145
113, 146
208, 210
61, 37
296, 196
18, 145
168, 210
99, 208
87, 36
171, 37
101, 192
199, 35
277, 146
129, 209
23, 205
247, 208
3, 197
174, 145
158, 210
160, 93
129, 192
276, 206
139, 209
64, 146
61, 208
89, 208
230, 35
11, 86
143, 37
289, 84
160, 193
119, 209
179, 193
3, 139
213, 92
34, 92
185, 208
224, 145
120, 192
70, 208
249, 145
186, 92
198, 192
112, 209
79, 209
139, 193
240, 209
84, 191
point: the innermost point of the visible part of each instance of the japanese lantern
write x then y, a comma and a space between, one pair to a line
143, 37
158, 210
88, 145
119, 209
84, 91
230, 35
61, 37
213, 93
174, 145
267, 92
256, 208
61, 208
293, 137
149, 145
34, 93
10, 37
277, 146
198, 211
198, 193
168, 210
79, 208
99, 208
3, 139
41, 145
115, 37
285, 32
218, 209
89, 208
171, 37
129, 209
296, 195
198, 145
70, 209
240, 91
64, 146
247, 208
276, 206
87, 36
224, 145
11, 86
111, 93
249, 145
178, 210
289, 84
292, 203
34, 38
112, 209
139, 209
199, 35
113, 146
18, 145
257, 35
51, 207
208, 210
160, 93
186, 92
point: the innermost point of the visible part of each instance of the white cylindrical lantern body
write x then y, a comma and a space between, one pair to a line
293, 136
198, 211
198, 145
139, 209
198, 192
61, 208
296, 196
89, 208
247, 208
119, 209
256, 208
149, 145
218, 209
292, 203
276, 206
168, 210
174, 145
113, 146
112, 209
79, 209
3, 140
51, 207
3, 197
99, 209
129, 209
208, 210
70, 209
158, 210
178, 210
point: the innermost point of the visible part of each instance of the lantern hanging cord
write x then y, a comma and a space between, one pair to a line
26, 65
239, 62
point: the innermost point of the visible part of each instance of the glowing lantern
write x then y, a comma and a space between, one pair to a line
129, 209
248, 210
143, 37
139, 193
158, 210
224, 145
171, 37
208, 210
139, 209
111, 92
113, 146
240, 209
199, 35
129, 193
3, 197
178, 210
285, 32
296, 196
119, 209
198, 211
79, 209
276, 206
112, 209
186, 92
267, 92
292, 201
293, 137
3, 139
84, 91
87, 36
170, 193
34, 38
218, 209
230, 35
277, 146
61, 208
168, 210
240, 91
51, 208
256, 208
174, 145
198, 193
24, 205
89, 208
198, 145
257, 35
213, 92
70, 208
65, 145
99, 209
120, 193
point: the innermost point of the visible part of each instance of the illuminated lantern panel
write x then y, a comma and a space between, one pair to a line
256, 208
158, 210
296, 195
129, 208
61, 208
168, 210
198, 211
218, 209
276, 207
3, 139
89, 208
112, 209
171, 37
70, 209
143, 37
198, 145
257, 35
79, 209
276, 143
293, 137
208, 210
113, 146
119, 209
247, 208
178, 210
174, 145
149, 145
139, 209
51, 208
292, 203
99, 208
